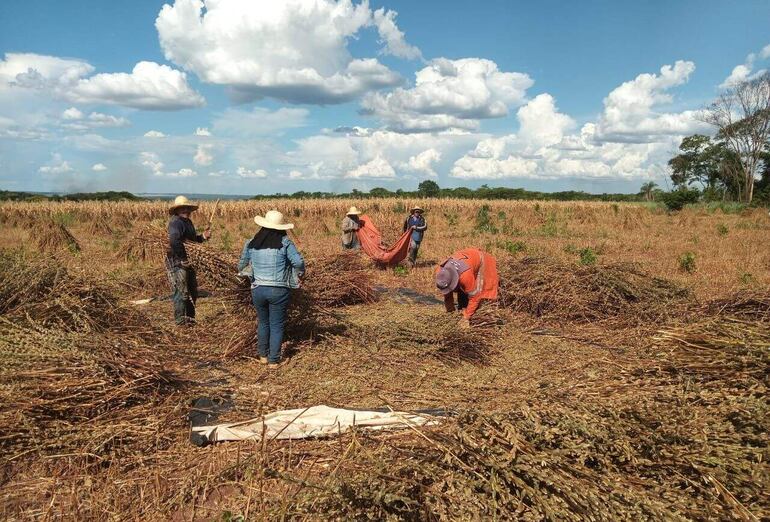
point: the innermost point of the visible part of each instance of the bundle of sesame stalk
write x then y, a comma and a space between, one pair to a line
54, 237
560, 292
55, 383
58, 297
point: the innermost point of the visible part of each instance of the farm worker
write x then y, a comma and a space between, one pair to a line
472, 273
349, 226
180, 273
416, 223
276, 268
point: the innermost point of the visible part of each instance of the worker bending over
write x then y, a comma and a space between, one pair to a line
472, 274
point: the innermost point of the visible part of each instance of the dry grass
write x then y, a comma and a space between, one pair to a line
624, 390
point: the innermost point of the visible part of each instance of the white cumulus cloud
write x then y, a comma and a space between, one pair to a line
378, 168
148, 86
293, 50
745, 71
99, 167
243, 172
202, 131
154, 134
75, 119
203, 156
423, 162
56, 166
450, 93
629, 110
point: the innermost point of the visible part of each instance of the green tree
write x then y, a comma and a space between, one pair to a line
709, 163
648, 190
741, 116
428, 189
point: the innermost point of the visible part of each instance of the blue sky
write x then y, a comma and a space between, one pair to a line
229, 96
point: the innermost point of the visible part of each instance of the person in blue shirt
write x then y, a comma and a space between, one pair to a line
276, 268
416, 223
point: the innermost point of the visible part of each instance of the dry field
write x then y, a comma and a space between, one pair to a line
622, 376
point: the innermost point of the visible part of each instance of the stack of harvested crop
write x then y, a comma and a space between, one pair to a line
55, 297
563, 292
54, 237
55, 381
430, 332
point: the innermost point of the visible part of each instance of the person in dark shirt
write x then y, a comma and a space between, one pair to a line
416, 223
180, 272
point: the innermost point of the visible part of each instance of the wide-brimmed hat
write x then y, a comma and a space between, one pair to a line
417, 208
353, 211
181, 201
447, 278
274, 220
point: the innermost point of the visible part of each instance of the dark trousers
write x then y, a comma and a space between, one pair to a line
185, 287
462, 300
271, 303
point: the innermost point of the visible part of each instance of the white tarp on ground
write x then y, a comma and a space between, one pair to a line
315, 421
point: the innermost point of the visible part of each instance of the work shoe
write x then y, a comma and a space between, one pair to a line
274, 366
263, 360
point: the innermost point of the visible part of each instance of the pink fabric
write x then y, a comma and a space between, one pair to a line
371, 243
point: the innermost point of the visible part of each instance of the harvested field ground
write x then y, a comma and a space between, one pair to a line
610, 382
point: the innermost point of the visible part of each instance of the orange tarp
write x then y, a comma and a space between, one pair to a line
371, 243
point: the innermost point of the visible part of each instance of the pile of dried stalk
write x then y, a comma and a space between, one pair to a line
414, 333
329, 282
679, 434
71, 356
55, 297
91, 394
560, 292
54, 237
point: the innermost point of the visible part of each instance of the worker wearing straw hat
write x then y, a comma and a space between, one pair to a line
276, 268
180, 273
472, 274
416, 223
349, 226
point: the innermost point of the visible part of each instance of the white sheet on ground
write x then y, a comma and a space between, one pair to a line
315, 421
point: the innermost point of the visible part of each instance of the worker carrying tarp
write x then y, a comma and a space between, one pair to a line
371, 243
472, 273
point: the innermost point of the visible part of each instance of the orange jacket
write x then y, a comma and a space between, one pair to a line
480, 282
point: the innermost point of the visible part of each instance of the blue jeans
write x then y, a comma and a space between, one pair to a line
271, 303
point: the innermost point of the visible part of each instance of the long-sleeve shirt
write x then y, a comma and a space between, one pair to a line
180, 230
273, 266
478, 283
420, 226
349, 227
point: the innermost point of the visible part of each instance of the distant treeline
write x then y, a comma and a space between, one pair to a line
7, 195
431, 189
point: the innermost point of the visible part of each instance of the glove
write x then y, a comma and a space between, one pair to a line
464, 323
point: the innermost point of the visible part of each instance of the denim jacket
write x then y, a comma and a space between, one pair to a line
273, 266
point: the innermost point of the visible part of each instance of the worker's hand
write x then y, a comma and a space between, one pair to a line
207, 234
412, 227
464, 323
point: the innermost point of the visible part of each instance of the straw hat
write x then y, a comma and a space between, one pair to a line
353, 211
416, 208
181, 201
274, 220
